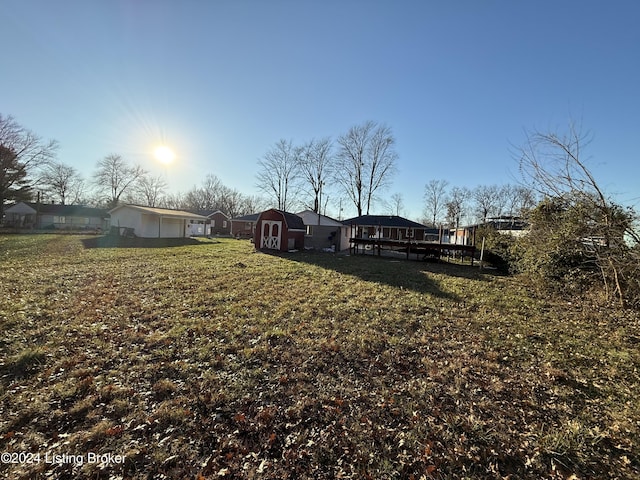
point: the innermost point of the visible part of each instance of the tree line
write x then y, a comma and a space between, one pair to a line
29, 170
453, 206
358, 166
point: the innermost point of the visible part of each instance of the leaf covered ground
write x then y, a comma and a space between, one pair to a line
208, 360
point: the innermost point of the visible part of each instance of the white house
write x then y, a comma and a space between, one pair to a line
150, 222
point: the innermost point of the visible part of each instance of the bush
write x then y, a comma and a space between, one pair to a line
573, 246
499, 249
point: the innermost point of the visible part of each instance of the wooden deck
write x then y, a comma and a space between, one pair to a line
422, 250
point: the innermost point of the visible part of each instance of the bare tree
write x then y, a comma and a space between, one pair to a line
456, 206
114, 176
230, 201
279, 171
241, 204
196, 200
22, 154
366, 159
435, 195
173, 201
251, 204
517, 200
487, 200
206, 197
395, 205
151, 189
382, 163
63, 182
315, 160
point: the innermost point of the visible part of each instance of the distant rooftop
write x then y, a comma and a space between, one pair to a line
383, 221
68, 210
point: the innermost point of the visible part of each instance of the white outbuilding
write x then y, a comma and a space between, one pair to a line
148, 222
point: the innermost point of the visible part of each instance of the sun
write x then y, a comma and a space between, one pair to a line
164, 154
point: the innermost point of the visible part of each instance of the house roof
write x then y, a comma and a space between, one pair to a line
508, 223
66, 210
311, 218
247, 218
162, 212
210, 213
383, 221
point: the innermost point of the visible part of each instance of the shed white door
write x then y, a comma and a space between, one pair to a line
271, 234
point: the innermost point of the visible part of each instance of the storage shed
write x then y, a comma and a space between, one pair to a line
278, 230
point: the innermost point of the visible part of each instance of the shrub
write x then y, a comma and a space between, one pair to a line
574, 244
499, 249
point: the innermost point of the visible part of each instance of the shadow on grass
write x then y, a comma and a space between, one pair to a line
110, 241
401, 274
27, 363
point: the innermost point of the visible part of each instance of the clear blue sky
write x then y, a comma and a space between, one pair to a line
221, 81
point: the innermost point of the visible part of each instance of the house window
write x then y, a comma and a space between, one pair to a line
224, 224
213, 222
309, 229
57, 219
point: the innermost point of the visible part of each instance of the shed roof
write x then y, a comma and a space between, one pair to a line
293, 221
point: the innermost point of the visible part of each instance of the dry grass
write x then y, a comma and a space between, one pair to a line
210, 360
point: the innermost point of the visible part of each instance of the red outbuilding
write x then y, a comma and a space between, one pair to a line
278, 230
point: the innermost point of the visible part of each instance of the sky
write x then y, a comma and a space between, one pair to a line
220, 82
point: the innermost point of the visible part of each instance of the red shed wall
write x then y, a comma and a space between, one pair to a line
275, 216
285, 234
299, 239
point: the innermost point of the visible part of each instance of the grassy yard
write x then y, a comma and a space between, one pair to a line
211, 361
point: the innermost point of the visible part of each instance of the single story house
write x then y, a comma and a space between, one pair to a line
322, 232
466, 235
278, 230
34, 215
219, 223
148, 222
508, 225
389, 227
245, 226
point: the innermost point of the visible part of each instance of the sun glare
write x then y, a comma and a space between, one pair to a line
164, 154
